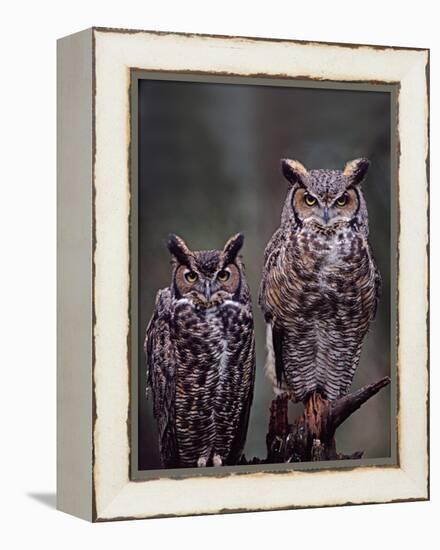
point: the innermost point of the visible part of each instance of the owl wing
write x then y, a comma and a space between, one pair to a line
275, 333
271, 253
377, 285
370, 296
161, 372
247, 359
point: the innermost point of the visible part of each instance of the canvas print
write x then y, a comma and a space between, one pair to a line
265, 295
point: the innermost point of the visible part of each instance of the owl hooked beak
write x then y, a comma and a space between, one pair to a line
326, 215
207, 291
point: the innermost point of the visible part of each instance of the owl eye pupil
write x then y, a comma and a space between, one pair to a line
191, 276
310, 201
342, 201
223, 275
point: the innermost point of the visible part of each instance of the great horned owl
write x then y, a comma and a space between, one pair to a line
320, 285
201, 358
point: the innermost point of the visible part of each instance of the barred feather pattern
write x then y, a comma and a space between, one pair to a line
201, 369
319, 293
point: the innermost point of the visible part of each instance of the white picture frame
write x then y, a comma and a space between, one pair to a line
93, 393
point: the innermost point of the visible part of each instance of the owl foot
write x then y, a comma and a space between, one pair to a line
201, 462
284, 393
217, 460
318, 450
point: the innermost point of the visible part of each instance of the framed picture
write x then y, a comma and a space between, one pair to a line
242, 274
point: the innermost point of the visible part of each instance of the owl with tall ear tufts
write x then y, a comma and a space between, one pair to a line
200, 355
320, 286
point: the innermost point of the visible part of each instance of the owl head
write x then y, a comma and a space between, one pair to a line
326, 197
208, 277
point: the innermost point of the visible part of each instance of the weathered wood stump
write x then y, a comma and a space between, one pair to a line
311, 437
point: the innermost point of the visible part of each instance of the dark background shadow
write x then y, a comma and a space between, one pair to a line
209, 167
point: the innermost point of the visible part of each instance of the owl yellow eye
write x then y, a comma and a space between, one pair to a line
191, 276
342, 201
309, 200
223, 275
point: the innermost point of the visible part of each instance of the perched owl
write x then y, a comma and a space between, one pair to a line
201, 358
320, 284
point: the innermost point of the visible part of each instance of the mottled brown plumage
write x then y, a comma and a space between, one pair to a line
201, 358
320, 284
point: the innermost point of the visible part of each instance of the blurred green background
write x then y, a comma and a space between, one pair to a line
209, 166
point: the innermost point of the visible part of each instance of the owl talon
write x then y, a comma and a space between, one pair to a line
202, 461
217, 460
284, 393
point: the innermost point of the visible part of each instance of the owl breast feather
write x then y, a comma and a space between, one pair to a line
321, 295
214, 351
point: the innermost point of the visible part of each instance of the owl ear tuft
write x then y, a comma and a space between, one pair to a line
294, 171
232, 248
178, 249
357, 170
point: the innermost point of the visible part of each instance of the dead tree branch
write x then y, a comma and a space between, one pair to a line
311, 437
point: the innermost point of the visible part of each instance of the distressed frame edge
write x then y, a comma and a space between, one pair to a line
428, 268
223, 511
352, 45
305, 506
